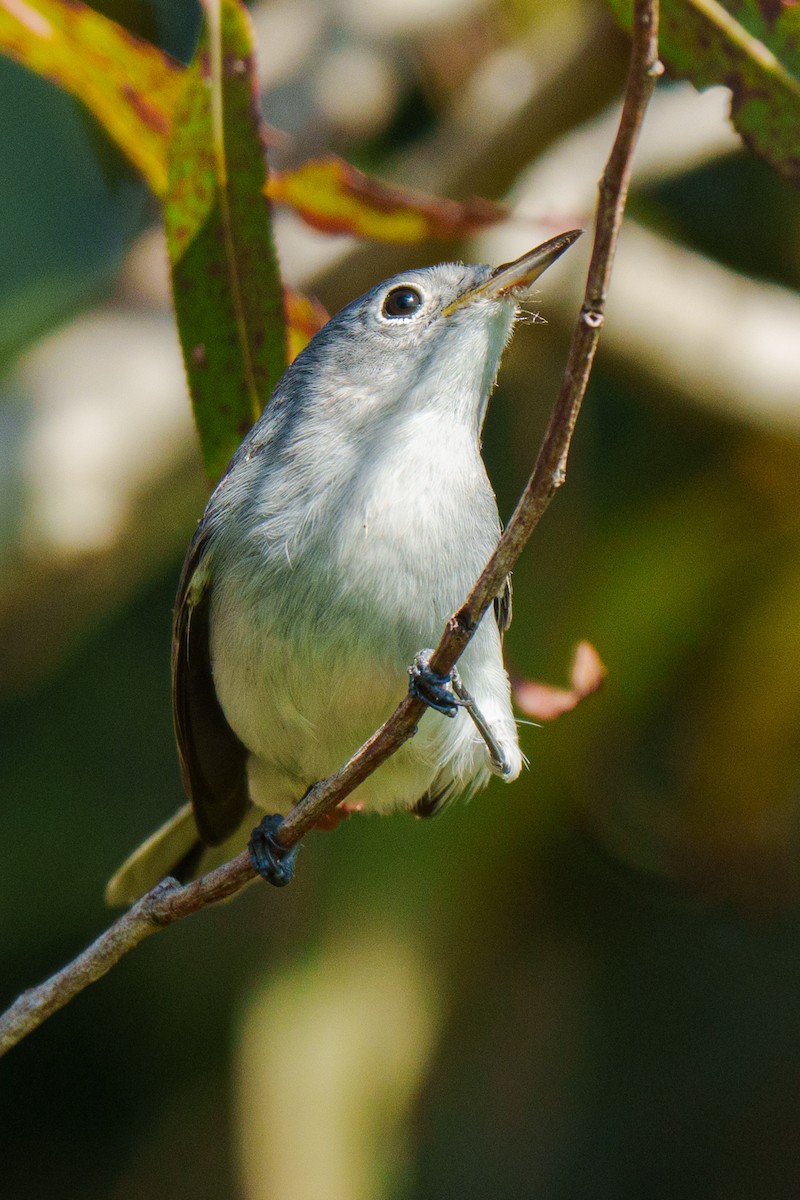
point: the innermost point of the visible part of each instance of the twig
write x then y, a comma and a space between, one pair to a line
165, 903
169, 901
549, 471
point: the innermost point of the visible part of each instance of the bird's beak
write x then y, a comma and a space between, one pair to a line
517, 276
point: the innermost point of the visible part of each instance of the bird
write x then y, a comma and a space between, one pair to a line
349, 525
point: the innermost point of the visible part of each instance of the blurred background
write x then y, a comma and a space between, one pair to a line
583, 985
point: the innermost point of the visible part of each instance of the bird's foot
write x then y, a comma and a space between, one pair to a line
446, 693
274, 862
500, 764
333, 819
437, 691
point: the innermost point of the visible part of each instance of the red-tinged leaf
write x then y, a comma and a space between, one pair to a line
225, 276
130, 86
545, 703
334, 197
304, 317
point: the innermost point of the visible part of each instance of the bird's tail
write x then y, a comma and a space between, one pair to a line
175, 849
168, 851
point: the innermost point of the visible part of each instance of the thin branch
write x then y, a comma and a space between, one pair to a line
165, 903
171, 902
549, 471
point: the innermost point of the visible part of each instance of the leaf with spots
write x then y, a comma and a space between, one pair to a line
130, 86
753, 48
225, 277
334, 197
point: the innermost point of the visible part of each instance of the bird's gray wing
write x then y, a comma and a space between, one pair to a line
502, 606
212, 759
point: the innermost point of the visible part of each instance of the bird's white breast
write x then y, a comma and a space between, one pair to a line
312, 637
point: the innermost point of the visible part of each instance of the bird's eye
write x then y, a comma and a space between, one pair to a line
402, 301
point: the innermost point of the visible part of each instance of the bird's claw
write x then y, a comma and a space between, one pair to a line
434, 690
274, 862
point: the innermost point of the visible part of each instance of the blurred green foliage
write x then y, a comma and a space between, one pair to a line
610, 949
71, 204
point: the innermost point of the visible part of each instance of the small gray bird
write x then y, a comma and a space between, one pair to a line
349, 525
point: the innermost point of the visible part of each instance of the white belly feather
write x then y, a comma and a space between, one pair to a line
310, 647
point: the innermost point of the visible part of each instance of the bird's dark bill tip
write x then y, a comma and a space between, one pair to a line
514, 279
541, 256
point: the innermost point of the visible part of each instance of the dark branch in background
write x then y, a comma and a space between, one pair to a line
171, 902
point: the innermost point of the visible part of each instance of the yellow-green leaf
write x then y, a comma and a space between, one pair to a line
129, 85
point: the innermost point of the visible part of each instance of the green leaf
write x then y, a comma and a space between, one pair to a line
753, 48
130, 86
225, 276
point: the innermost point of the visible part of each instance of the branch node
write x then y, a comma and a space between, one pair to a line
153, 902
606, 186
592, 317
166, 887
460, 625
